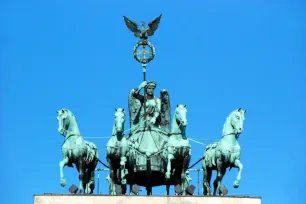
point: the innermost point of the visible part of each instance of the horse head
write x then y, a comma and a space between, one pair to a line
181, 115
236, 120
63, 120
119, 120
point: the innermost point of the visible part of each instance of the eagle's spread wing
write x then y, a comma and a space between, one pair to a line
132, 26
153, 25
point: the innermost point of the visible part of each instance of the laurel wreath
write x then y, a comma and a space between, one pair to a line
144, 43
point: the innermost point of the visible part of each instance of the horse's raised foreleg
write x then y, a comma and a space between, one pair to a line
239, 165
206, 178
62, 164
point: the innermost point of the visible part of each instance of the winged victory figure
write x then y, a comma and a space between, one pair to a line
163, 114
144, 32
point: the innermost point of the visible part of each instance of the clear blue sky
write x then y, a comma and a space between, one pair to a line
214, 56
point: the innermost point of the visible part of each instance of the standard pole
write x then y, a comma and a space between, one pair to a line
144, 68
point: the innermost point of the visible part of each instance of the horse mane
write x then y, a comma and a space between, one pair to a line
68, 111
71, 117
227, 120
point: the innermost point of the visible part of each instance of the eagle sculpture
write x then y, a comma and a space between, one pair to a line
144, 32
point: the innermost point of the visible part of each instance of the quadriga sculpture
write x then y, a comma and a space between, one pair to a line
116, 154
77, 151
178, 151
224, 154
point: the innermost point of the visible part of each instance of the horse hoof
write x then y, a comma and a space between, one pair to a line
236, 184
63, 182
87, 191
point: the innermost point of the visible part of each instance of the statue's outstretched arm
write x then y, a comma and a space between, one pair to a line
136, 92
137, 95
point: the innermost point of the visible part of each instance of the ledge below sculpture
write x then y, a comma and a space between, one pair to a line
98, 199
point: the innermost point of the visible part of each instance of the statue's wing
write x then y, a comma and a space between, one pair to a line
132, 26
153, 25
165, 111
134, 109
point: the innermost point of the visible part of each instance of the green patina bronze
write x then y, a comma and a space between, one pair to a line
225, 153
150, 129
143, 33
153, 153
116, 153
77, 151
178, 151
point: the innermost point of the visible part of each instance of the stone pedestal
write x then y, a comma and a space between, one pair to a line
106, 199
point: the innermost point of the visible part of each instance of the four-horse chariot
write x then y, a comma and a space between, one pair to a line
156, 151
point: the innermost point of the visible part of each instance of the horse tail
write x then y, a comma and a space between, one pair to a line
97, 154
91, 153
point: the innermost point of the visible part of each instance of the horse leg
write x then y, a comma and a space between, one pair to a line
170, 158
167, 182
184, 179
62, 164
113, 173
167, 189
221, 177
86, 181
81, 164
90, 186
92, 178
239, 165
124, 184
220, 173
209, 173
219, 165
132, 182
206, 178
149, 190
123, 173
109, 183
131, 187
